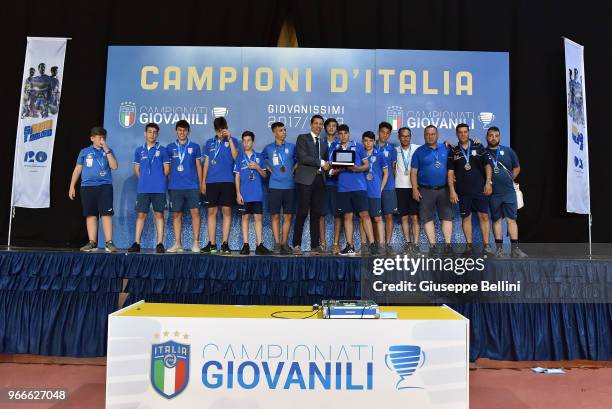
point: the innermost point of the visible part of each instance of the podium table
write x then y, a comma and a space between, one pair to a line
225, 357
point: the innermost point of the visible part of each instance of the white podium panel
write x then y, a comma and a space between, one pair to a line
224, 357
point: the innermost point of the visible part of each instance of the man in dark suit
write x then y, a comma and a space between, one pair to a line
311, 155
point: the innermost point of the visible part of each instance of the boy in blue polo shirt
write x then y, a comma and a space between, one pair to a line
249, 172
331, 138
388, 196
279, 159
184, 185
352, 192
151, 166
376, 178
218, 183
94, 165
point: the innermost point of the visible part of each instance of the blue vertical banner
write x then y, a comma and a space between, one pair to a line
254, 87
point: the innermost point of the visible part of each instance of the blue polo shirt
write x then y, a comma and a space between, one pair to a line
424, 159
390, 153
378, 162
151, 162
275, 156
250, 180
94, 161
331, 146
188, 178
502, 181
349, 181
221, 153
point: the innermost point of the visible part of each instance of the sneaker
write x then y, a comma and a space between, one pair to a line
448, 250
209, 249
297, 250
323, 245
195, 247
225, 248
365, 250
469, 250
499, 252
335, 249
373, 249
348, 251
516, 252
134, 248
160, 249
246, 250
388, 250
176, 248
110, 247
317, 251
487, 250
262, 250
410, 249
90, 246
433, 251
285, 249
277, 248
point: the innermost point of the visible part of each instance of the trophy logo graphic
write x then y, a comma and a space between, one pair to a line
405, 360
486, 118
220, 111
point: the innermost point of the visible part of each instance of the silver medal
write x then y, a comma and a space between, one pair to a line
102, 173
180, 168
468, 166
370, 176
437, 164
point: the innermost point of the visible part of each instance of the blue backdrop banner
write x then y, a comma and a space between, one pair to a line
254, 87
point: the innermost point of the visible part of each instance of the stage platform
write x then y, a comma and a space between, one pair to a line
57, 302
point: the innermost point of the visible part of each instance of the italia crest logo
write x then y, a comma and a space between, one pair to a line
170, 367
127, 114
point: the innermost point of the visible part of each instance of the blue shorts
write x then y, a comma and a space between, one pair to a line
352, 202
473, 203
97, 200
250, 208
503, 206
184, 199
145, 200
389, 201
375, 206
331, 200
281, 199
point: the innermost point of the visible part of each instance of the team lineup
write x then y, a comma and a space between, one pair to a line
381, 180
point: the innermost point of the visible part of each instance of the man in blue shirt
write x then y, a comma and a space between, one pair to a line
279, 159
388, 198
151, 166
331, 131
249, 170
220, 152
353, 193
506, 168
376, 179
470, 185
184, 185
428, 177
94, 165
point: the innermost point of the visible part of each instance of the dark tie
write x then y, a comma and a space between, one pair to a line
318, 148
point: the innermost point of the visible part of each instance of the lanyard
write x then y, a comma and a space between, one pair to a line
466, 155
100, 162
151, 158
247, 160
280, 157
374, 153
404, 159
181, 152
496, 160
218, 144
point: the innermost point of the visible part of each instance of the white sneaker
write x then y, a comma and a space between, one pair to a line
176, 248
195, 247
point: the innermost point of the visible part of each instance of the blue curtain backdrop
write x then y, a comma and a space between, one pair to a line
54, 303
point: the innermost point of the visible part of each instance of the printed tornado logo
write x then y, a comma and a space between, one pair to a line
394, 116
169, 368
405, 360
127, 114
